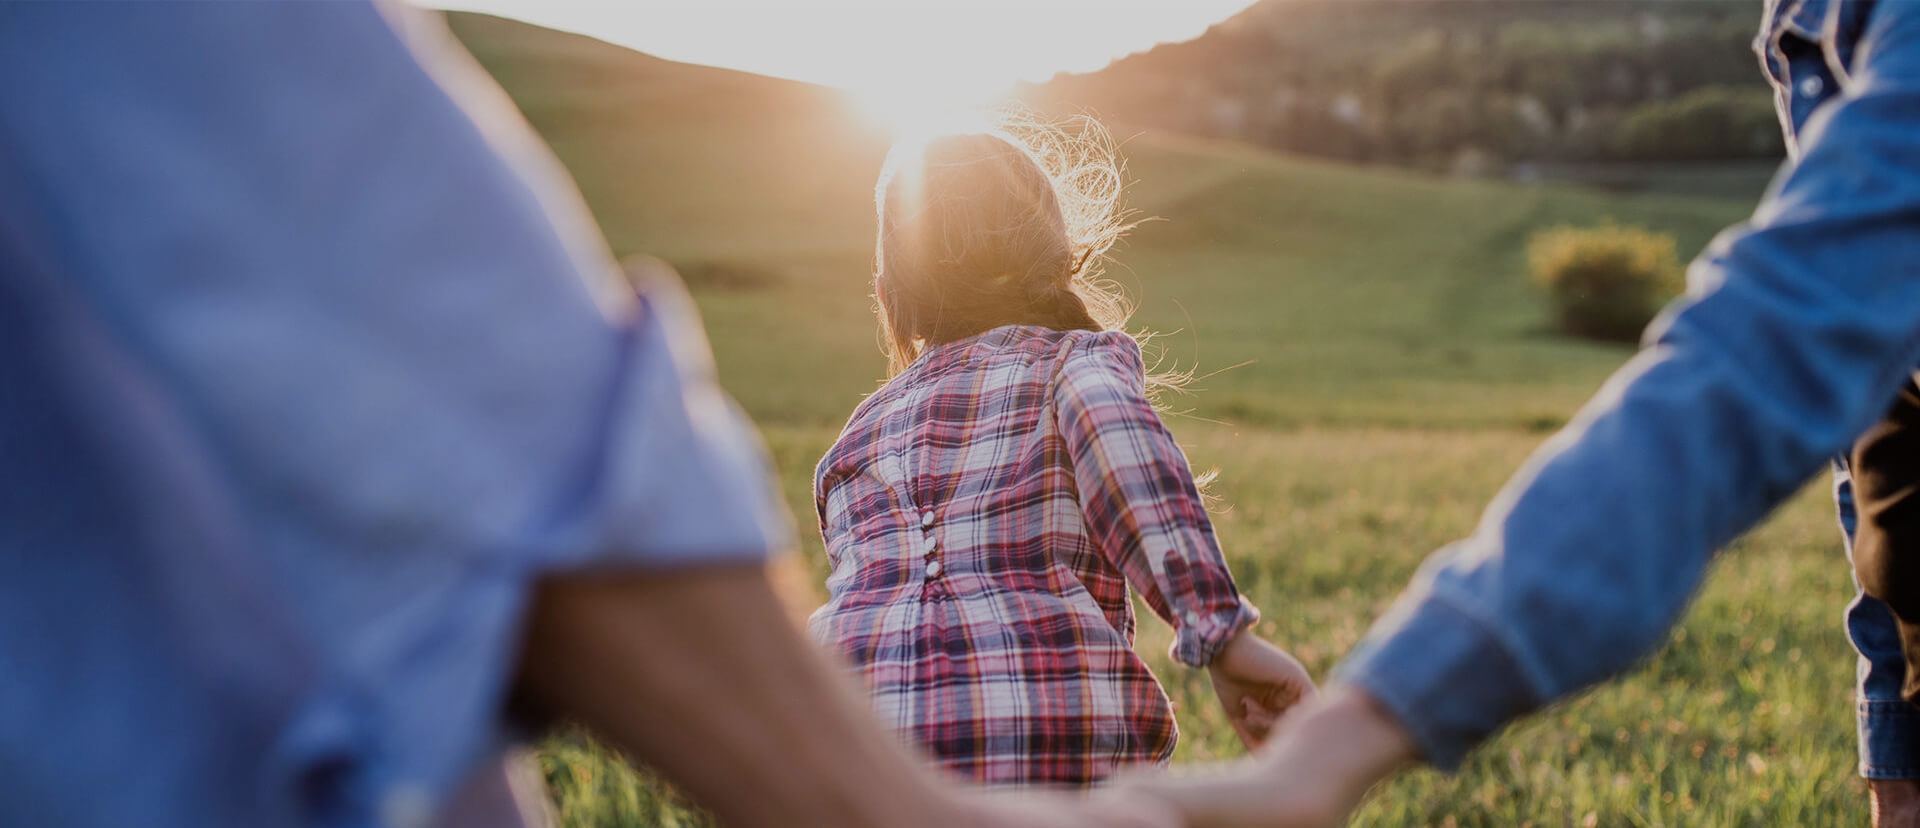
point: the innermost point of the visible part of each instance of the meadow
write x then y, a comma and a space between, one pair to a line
1375, 364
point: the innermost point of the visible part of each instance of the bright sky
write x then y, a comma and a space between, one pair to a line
896, 56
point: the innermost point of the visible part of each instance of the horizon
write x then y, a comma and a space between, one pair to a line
868, 48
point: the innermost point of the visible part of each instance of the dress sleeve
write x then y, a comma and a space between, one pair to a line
1138, 497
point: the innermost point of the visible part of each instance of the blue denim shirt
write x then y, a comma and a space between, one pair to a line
1797, 331
311, 362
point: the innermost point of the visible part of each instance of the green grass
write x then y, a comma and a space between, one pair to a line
1396, 370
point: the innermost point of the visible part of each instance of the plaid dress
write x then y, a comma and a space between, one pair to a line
984, 513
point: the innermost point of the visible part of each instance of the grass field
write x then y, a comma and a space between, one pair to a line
1393, 369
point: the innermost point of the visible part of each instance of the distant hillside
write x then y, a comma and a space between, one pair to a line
1359, 295
675, 158
1469, 84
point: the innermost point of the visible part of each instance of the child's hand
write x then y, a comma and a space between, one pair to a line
1257, 684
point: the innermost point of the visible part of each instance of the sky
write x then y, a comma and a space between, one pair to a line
901, 55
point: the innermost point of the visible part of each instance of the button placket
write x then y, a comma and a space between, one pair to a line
932, 545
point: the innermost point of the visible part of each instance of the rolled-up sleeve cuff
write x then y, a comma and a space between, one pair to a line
1447, 678
1200, 638
682, 477
1889, 740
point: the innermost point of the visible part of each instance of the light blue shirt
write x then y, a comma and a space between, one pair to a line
1799, 328
311, 363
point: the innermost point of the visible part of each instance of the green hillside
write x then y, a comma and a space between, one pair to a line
1358, 295
1389, 367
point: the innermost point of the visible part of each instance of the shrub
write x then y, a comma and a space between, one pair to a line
1604, 282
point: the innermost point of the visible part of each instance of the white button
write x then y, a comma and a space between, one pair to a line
926, 519
1190, 617
1811, 85
933, 569
931, 547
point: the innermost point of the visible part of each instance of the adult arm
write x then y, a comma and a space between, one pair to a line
358, 285
1799, 331
701, 675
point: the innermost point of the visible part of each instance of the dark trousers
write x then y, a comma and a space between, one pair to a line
1885, 465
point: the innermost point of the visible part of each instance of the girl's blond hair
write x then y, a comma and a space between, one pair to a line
1009, 225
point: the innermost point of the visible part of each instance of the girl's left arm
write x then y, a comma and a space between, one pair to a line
1137, 493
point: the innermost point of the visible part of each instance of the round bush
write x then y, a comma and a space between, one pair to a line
1605, 282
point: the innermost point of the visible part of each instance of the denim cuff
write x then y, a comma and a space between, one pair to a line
1448, 680
1889, 739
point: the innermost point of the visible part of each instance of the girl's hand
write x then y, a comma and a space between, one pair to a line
1257, 684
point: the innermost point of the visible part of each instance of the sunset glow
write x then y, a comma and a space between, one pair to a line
903, 61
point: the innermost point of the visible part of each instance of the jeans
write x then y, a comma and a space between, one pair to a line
1877, 489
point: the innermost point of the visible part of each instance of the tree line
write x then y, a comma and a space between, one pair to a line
1456, 82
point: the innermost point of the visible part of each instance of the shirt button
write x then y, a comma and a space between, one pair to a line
926, 519
1812, 85
933, 569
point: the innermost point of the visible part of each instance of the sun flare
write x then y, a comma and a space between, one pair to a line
912, 107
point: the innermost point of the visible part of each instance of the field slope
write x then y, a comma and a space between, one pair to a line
1392, 369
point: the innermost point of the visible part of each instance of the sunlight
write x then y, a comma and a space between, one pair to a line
903, 60
917, 106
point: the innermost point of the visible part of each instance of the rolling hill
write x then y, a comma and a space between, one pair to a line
1357, 295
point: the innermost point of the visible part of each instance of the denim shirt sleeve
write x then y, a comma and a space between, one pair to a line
1797, 332
1889, 726
385, 317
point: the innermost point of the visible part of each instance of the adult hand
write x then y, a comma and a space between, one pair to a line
1105, 809
1312, 775
1896, 802
1257, 684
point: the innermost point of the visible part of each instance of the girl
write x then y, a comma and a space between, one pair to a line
985, 510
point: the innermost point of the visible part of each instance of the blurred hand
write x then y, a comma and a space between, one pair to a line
1104, 809
1257, 684
1896, 802
1313, 774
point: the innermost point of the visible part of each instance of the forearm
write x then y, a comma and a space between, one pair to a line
1319, 768
701, 675
1585, 561
1802, 328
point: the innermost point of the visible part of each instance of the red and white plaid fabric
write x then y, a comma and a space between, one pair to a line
984, 513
